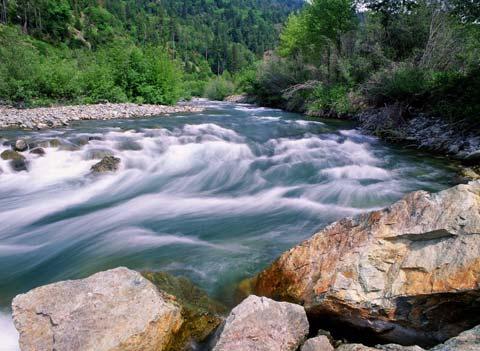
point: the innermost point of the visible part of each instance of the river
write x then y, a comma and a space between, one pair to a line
214, 196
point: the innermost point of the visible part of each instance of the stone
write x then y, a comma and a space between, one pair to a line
467, 341
261, 324
115, 310
319, 343
21, 145
407, 274
388, 347
38, 151
11, 155
107, 164
19, 165
200, 313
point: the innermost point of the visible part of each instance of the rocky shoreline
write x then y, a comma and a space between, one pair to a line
415, 130
408, 275
60, 116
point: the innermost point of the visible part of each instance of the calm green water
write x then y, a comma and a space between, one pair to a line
214, 196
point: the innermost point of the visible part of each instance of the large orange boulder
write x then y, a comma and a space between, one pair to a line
409, 273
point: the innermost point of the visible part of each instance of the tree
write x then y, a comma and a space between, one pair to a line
318, 26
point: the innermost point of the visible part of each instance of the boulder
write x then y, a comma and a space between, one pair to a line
21, 145
114, 310
261, 324
408, 274
107, 164
38, 151
200, 313
11, 155
467, 341
19, 165
319, 343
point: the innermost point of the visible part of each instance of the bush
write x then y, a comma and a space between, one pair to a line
36, 73
328, 100
401, 83
219, 88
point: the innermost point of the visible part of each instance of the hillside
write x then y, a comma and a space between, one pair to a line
199, 38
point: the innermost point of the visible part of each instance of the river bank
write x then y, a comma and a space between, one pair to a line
60, 116
394, 124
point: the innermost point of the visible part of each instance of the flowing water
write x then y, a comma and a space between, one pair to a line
214, 196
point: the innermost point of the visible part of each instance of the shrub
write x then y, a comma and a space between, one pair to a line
400, 83
219, 88
327, 100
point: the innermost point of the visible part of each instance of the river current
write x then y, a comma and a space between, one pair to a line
214, 196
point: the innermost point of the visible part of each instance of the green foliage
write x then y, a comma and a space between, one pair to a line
400, 83
218, 88
319, 25
33, 73
331, 98
418, 53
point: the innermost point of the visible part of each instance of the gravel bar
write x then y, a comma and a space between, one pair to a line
58, 116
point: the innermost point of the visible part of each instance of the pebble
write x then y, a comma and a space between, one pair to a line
59, 116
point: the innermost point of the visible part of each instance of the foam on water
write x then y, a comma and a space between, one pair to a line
214, 196
8, 333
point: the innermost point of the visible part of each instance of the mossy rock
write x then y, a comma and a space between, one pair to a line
202, 314
11, 155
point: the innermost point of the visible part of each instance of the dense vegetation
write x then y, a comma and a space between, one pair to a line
129, 50
340, 56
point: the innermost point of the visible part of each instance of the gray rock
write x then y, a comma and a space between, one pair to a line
467, 341
116, 310
107, 164
388, 347
319, 343
261, 324
38, 151
21, 145
19, 165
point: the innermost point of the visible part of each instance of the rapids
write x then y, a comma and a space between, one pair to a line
214, 196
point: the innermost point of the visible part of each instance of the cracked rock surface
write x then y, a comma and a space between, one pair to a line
408, 274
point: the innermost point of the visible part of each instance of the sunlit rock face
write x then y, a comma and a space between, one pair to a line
409, 273
115, 310
261, 324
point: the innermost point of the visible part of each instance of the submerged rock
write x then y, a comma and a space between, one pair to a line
11, 155
21, 145
200, 313
112, 310
38, 151
261, 324
409, 273
107, 164
17, 160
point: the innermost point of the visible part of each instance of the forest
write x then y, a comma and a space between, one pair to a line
327, 58
339, 57
87, 51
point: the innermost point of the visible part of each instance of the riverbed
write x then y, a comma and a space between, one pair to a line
214, 195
